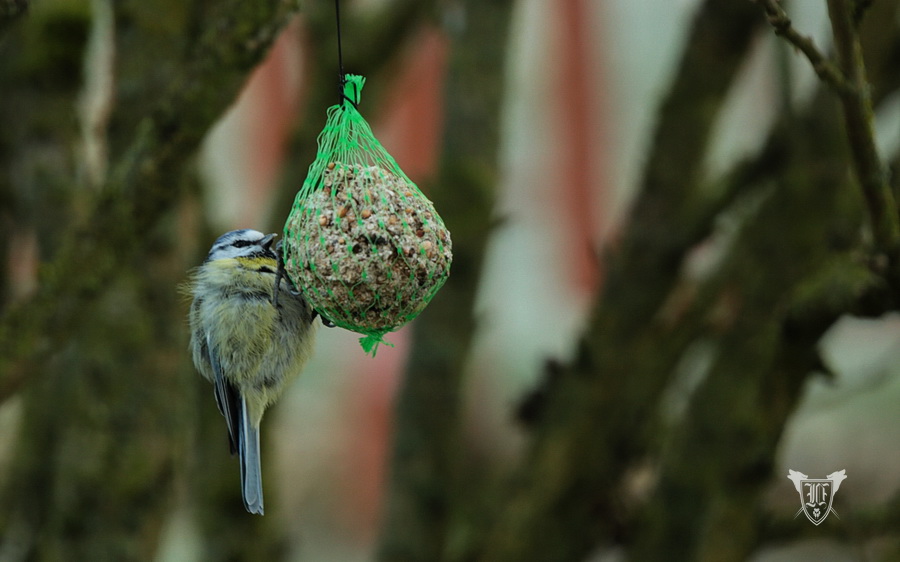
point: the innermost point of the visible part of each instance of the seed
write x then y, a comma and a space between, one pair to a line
378, 241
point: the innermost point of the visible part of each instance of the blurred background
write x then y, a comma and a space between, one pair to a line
548, 134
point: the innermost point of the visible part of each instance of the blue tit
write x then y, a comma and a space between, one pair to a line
251, 335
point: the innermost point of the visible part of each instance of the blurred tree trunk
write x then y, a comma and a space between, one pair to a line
792, 268
107, 411
716, 462
598, 411
427, 491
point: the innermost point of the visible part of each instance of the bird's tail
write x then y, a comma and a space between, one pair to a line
251, 471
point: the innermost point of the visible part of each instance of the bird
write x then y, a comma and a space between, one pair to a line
251, 336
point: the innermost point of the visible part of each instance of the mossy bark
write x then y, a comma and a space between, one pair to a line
106, 390
599, 410
716, 462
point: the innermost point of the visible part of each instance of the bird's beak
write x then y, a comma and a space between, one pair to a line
266, 242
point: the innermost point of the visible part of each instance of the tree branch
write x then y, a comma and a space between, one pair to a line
598, 414
822, 65
848, 80
759, 366
145, 183
859, 118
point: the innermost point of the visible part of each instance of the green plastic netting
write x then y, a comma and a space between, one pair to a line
362, 242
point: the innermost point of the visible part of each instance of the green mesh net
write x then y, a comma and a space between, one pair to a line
364, 245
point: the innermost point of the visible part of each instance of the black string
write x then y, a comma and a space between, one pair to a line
341, 79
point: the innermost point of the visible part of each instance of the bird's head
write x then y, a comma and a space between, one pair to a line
242, 243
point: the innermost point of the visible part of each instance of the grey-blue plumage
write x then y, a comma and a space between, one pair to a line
246, 345
251, 466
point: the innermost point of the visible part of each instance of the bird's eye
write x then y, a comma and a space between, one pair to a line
241, 243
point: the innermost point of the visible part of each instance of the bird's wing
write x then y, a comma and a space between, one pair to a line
796, 477
228, 398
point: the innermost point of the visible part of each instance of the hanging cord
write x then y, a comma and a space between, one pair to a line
342, 80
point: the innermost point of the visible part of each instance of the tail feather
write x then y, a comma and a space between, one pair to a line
251, 471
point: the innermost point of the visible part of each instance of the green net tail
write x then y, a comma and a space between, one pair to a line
371, 342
